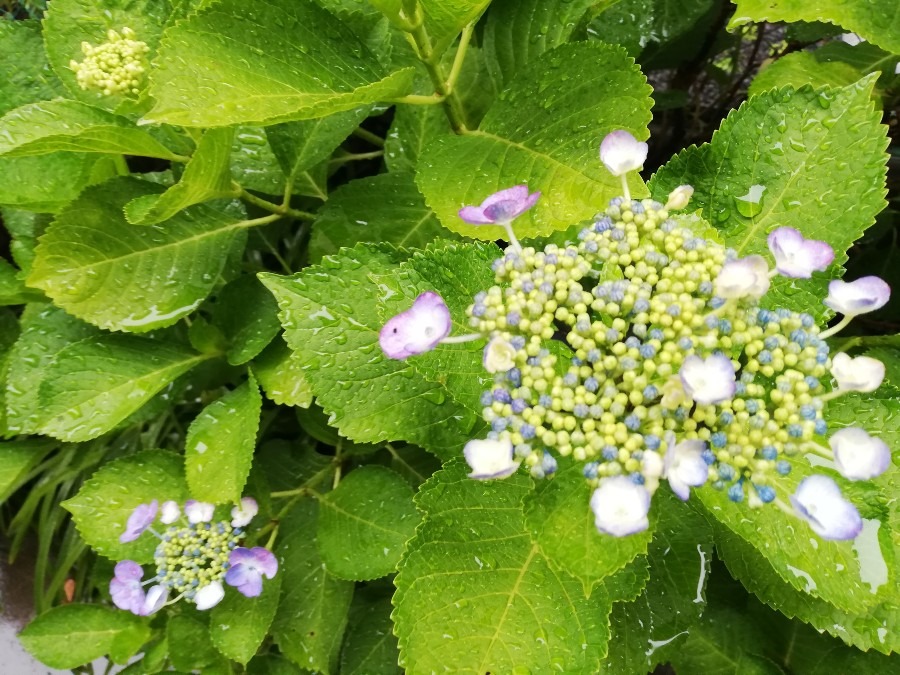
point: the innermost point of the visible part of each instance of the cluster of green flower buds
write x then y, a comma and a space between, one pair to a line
116, 66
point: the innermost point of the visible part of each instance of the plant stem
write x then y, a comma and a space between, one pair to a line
121, 165
352, 157
367, 135
281, 210
443, 86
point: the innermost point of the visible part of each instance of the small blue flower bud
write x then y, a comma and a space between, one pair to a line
650, 392
718, 439
648, 351
736, 493
545, 400
527, 431
632, 342
808, 412
514, 375
657, 334
821, 427
617, 234
726, 471
591, 246
726, 418
546, 288
517, 342
725, 327
807, 321
708, 456
812, 382
716, 302
711, 322
628, 363
752, 406
705, 287
769, 452
499, 424
590, 469
580, 410
685, 343
610, 453
771, 342
602, 224
612, 335
783, 467
651, 441
764, 357
502, 396
519, 405
570, 379
632, 423
794, 430
551, 259
513, 318
673, 310
637, 478
527, 286
548, 463
591, 385
487, 398
765, 493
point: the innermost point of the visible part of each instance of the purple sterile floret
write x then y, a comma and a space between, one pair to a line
796, 256
851, 298
139, 520
417, 330
818, 500
501, 207
125, 587
247, 568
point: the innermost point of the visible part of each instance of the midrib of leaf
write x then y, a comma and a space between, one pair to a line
531, 151
332, 505
415, 227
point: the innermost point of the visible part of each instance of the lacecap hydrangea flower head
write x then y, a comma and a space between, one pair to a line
643, 351
194, 556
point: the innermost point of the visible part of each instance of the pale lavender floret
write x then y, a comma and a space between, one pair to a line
743, 278
247, 568
490, 459
500, 208
125, 586
139, 520
198, 512
852, 298
417, 330
621, 152
859, 456
620, 506
684, 467
796, 256
818, 500
710, 380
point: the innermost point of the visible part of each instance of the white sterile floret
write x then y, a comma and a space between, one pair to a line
859, 456
861, 373
621, 152
198, 512
210, 595
155, 600
685, 467
490, 459
710, 380
679, 198
499, 356
852, 298
743, 278
620, 506
818, 500
242, 515
170, 512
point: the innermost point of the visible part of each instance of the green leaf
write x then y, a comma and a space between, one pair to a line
651, 629
306, 64
413, 128
331, 318
255, 167
299, 146
100, 268
545, 131
370, 647
444, 19
518, 31
385, 208
17, 459
877, 21
273, 664
287, 465
247, 315
281, 376
312, 613
799, 68
812, 160
219, 445
74, 635
60, 125
190, 646
95, 384
102, 506
207, 176
238, 625
47, 183
492, 601
23, 228
28, 77
68, 23
562, 524
365, 522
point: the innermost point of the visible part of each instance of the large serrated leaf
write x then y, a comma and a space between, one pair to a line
370, 647
545, 130
305, 64
102, 506
238, 625
492, 601
17, 458
281, 376
97, 266
809, 159
28, 77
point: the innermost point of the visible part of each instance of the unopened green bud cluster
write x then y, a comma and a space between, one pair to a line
193, 556
114, 67
600, 330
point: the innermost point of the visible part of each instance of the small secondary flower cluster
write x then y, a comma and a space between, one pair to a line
644, 353
114, 67
192, 559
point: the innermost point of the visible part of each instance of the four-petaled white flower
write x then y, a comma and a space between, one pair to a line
499, 356
852, 298
743, 278
198, 512
169, 513
710, 380
679, 198
861, 373
818, 500
621, 152
417, 330
685, 467
796, 256
620, 506
490, 459
859, 456
242, 514
209, 596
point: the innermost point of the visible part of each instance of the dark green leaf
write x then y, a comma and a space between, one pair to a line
370, 647
28, 77
247, 315
238, 625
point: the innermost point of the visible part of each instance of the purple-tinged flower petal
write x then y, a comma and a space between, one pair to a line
621, 152
157, 596
139, 520
743, 278
247, 568
862, 373
170, 512
501, 207
620, 506
242, 515
198, 512
209, 596
859, 456
125, 587
797, 257
685, 467
128, 570
852, 298
499, 356
490, 459
417, 330
818, 500
710, 380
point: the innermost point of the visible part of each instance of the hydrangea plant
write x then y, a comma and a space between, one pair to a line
548, 336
